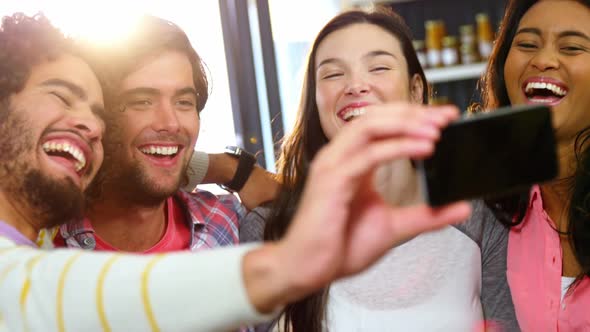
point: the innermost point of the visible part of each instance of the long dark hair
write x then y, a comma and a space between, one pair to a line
307, 137
511, 210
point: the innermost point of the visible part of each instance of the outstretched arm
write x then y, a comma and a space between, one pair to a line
74, 290
341, 227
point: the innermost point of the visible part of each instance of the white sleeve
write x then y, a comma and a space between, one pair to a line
74, 290
197, 170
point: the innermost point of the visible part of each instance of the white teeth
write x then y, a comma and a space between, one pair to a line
67, 148
538, 101
161, 150
353, 112
545, 86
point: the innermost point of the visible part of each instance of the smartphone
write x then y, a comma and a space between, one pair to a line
489, 154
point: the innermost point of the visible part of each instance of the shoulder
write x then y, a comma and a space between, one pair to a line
205, 200
252, 228
482, 224
490, 234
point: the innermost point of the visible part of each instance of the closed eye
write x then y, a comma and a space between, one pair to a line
526, 46
379, 69
139, 103
61, 98
572, 49
333, 75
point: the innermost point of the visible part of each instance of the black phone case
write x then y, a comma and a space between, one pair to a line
490, 154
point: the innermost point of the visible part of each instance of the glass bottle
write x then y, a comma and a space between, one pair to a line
435, 30
485, 35
468, 48
450, 51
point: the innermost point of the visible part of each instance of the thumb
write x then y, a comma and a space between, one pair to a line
413, 220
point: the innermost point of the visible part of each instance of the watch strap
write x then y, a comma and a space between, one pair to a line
246, 162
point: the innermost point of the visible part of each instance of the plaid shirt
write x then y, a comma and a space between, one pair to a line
213, 221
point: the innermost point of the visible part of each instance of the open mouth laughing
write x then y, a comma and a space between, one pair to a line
542, 90
68, 152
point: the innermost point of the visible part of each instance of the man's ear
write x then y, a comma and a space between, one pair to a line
417, 89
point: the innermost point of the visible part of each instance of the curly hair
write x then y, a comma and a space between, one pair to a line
26, 41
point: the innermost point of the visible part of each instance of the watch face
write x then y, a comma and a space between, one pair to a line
233, 150
240, 153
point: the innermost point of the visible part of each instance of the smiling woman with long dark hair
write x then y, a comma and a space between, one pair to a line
451, 279
542, 55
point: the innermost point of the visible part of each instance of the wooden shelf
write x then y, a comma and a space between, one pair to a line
455, 73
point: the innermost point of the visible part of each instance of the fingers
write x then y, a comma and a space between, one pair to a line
444, 114
380, 152
410, 221
385, 133
389, 122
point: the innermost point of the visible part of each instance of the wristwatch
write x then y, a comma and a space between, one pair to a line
246, 162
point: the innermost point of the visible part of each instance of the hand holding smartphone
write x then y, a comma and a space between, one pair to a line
490, 154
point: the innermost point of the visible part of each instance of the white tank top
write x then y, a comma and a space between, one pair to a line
431, 283
565, 284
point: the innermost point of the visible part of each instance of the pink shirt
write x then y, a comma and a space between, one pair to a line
176, 236
534, 276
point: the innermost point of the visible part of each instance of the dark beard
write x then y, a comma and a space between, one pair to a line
47, 201
54, 202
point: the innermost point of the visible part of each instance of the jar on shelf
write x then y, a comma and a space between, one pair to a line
450, 51
468, 45
420, 48
485, 35
435, 30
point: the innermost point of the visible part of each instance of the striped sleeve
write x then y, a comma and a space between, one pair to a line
72, 290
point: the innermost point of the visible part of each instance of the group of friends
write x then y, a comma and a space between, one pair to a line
102, 226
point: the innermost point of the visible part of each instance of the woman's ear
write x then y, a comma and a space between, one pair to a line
417, 89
